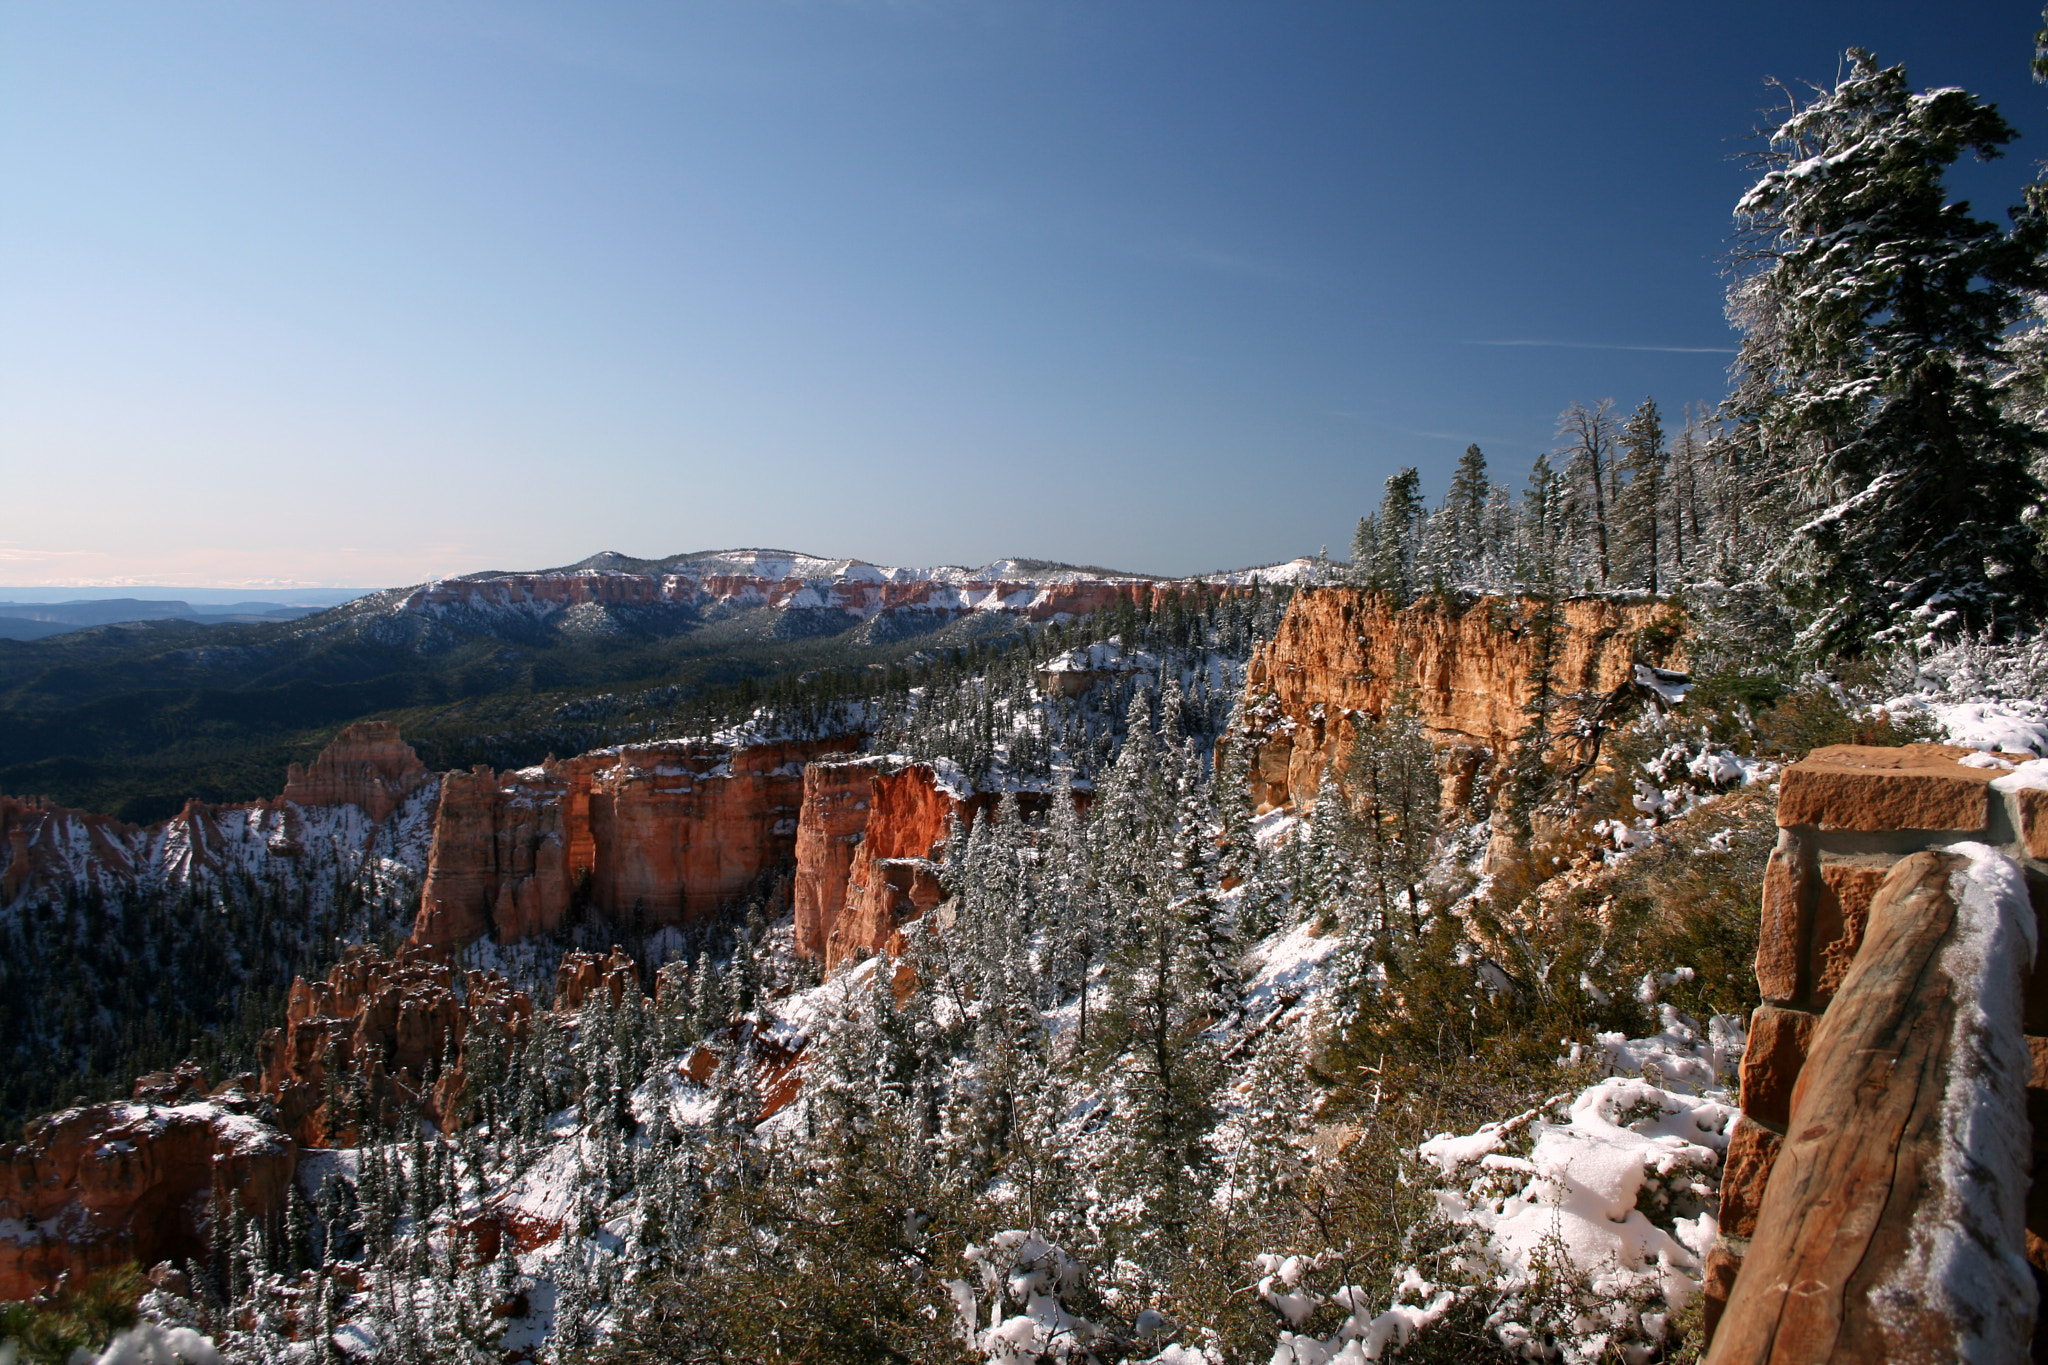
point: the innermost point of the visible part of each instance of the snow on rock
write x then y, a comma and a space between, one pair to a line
1286, 966
1966, 1262
1671, 686
2010, 726
2031, 775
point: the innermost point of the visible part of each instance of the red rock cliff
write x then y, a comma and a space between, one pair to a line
366, 765
1466, 669
865, 839
373, 1038
92, 1187
665, 834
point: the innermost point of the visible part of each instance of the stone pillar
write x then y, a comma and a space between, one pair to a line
1848, 816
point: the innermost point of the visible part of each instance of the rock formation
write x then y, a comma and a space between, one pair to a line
1467, 670
92, 1187
866, 836
385, 1037
653, 834
367, 766
848, 589
579, 976
367, 793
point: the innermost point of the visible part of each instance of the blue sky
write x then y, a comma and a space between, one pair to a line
357, 294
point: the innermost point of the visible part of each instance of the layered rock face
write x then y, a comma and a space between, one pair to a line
92, 1187
1467, 671
579, 976
44, 847
366, 795
372, 1038
866, 836
654, 834
367, 766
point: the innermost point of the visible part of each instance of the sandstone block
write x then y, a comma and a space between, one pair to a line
1771, 1062
1719, 1280
1873, 788
1781, 939
1745, 1171
1839, 918
2033, 804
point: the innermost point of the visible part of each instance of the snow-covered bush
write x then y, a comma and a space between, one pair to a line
1578, 1229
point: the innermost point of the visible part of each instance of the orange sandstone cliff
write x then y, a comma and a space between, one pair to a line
866, 836
654, 834
1467, 670
383, 1037
92, 1187
367, 765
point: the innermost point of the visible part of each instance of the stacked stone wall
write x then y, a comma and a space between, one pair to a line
1862, 839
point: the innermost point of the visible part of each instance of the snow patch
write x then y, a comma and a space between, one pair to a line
1966, 1262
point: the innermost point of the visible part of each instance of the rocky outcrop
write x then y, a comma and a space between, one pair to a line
866, 836
651, 835
385, 1037
1893, 969
365, 798
1469, 671
367, 766
45, 847
93, 1187
579, 976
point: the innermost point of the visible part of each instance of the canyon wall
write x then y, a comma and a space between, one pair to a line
653, 834
1467, 670
846, 588
366, 797
866, 836
92, 1187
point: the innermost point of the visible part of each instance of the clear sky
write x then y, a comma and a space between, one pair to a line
362, 293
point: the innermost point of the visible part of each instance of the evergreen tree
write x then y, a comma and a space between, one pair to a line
1642, 513
1588, 438
1465, 506
1397, 810
1873, 311
1162, 1070
1398, 528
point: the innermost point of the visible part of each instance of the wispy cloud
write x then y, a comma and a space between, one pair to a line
1202, 256
1459, 437
1608, 346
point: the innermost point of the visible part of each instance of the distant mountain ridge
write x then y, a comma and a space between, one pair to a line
35, 620
611, 592
499, 667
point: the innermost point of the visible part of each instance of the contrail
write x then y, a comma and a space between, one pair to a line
1607, 346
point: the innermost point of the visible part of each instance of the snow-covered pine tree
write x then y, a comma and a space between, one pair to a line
1465, 505
1641, 513
1323, 850
1398, 533
1586, 439
1396, 793
1873, 312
